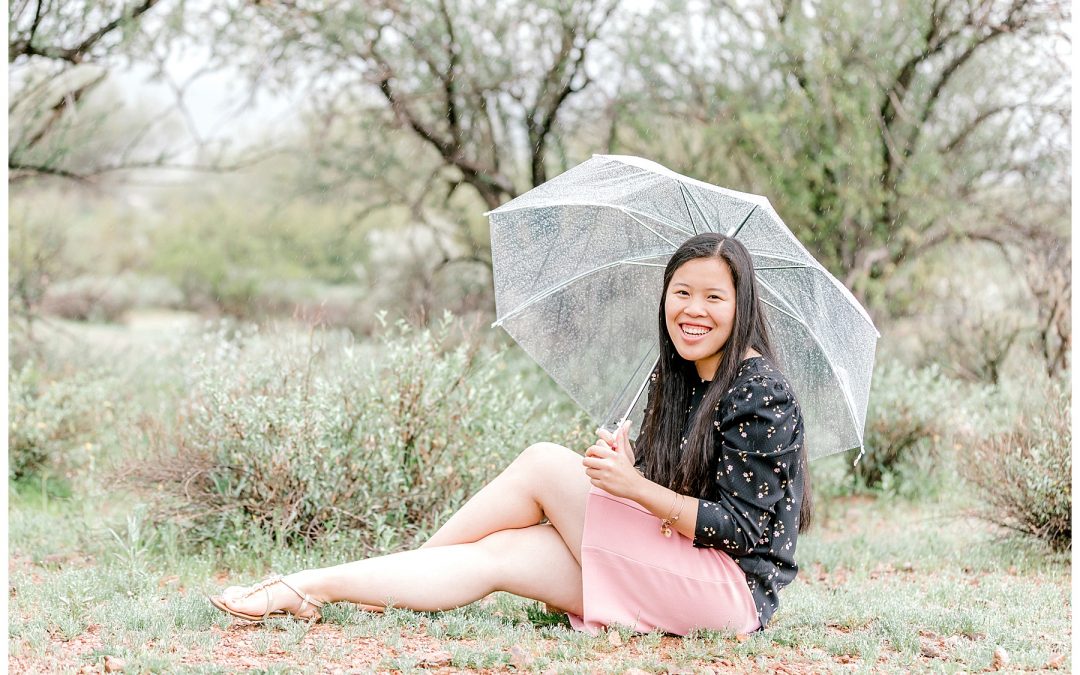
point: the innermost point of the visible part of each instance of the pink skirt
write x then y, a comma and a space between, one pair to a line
634, 576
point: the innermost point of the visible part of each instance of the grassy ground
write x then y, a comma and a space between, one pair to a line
885, 586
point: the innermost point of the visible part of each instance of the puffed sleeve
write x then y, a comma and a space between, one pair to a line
756, 451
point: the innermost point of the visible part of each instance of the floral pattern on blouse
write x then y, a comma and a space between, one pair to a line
752, 509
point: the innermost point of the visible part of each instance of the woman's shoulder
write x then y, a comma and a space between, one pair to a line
759, 415
758, 386
758, 370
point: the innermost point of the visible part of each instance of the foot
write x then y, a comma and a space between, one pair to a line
274, 596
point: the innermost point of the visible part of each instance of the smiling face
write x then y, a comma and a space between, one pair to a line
699, 308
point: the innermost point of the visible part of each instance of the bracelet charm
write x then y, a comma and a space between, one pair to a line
666, 523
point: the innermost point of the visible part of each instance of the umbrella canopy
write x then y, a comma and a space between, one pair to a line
578, 267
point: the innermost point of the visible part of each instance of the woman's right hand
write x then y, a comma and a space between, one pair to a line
619, 441
609, 463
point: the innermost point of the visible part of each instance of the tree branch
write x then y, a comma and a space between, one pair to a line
1008, 26
796, 62
453, 50
30, 169
67, 101
969, 128
74, 55
558, 84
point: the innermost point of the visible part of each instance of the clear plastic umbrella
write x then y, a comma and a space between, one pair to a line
578, 267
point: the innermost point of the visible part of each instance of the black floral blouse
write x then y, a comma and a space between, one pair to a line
751, 511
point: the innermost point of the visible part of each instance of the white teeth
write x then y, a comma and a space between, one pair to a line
695, 331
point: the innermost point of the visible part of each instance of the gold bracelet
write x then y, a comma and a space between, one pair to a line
672, 509
682, 500
666, 523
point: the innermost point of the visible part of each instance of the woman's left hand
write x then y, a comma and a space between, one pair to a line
609, 463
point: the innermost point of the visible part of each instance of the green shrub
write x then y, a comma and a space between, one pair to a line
305, 443
223, 247
907, 415
1025, 474
53, 423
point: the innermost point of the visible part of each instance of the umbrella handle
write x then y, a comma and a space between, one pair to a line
637, 396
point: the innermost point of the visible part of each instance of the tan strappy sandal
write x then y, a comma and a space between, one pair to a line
264, 586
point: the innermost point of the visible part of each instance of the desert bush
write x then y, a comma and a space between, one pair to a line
980, 343
98, 298
1025, 474
305, 443
54, 423
35, 258
409, 266
907, 415
314, 302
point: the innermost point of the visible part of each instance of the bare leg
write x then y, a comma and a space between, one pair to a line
494, 542
545, 481
532, 562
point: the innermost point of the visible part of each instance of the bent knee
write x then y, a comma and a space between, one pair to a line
545, 447
543, 452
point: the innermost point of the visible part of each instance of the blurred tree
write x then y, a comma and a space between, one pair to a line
880, 129
67, 120
63, 122
480, 90
1044, 260
58, 53
58, 56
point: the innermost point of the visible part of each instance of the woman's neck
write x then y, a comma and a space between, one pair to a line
706, 368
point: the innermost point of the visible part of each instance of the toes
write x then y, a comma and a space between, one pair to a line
239, 598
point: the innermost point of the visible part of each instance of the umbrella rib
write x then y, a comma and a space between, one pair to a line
645, 225
822, 271
686, 194
843, 390
627, 384
644, 383
563, 284
738, 228
778, 256
655, 216
781, 309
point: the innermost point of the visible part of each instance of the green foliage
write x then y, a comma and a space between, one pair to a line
302, 443
54, 421
908, 413
872, 155
877, 579
1025, 474
249, 259
35, 255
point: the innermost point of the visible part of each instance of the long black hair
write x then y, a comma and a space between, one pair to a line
665, 460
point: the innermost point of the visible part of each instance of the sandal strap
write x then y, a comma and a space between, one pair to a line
265, 584
266, 589
306, 597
